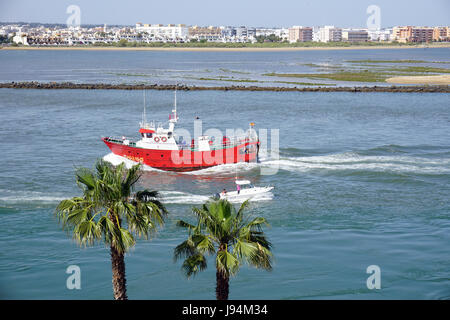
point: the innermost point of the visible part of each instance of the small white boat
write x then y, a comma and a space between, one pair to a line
247, 191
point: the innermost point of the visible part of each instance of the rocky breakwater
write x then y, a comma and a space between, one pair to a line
106, 86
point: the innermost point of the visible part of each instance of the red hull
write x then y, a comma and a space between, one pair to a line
186, 159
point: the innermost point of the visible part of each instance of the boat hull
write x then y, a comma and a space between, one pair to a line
245, 194
185, 159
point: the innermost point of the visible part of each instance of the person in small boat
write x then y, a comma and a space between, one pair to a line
238, 187
224, 192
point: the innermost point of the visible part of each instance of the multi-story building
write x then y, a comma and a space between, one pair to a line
20, 38
241, 32
228, 32
170, 32
412, 34
355, 35
244, 34
380, 35
330, 34
300, 34
441, 34
205, 33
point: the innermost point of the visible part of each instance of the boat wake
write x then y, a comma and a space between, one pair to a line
115, 160
18, 197
178, 197
347, 161
9, 197
352, 161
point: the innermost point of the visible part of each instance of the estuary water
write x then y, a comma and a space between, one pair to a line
213, 68
360, 179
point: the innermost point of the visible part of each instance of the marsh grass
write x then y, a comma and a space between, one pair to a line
365, 76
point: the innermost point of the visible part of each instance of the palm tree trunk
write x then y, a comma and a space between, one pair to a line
222, 286
118, 275
222, 281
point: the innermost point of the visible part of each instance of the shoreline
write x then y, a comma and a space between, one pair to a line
104, 86
231, 49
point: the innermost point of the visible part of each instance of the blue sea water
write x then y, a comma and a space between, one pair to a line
363, 179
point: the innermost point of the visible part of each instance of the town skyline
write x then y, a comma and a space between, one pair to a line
263, 13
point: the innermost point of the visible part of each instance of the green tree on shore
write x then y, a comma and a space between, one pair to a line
222, 231
109, 212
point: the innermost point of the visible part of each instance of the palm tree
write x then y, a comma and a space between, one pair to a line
99, 214
222, 231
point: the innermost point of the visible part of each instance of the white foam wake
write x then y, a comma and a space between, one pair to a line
115, 160
15, 197
334, 162
177, 197
226, 169
353, 161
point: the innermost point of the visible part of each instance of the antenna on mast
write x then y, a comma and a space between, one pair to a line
173, 118
175, 103
144, 116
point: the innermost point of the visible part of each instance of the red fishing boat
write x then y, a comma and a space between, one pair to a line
162, 148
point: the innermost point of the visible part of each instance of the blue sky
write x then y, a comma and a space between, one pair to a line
344, 13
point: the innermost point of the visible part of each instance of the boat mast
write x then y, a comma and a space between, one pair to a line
175, 102
144, 116
173, 118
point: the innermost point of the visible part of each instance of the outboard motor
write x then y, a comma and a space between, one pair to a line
216, 196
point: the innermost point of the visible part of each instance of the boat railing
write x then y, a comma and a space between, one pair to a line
231, 142
122, 140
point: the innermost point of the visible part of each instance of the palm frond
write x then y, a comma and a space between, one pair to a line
194, 264
131, 178
227, 263
184, 224
184, 250
85, 178
87, 232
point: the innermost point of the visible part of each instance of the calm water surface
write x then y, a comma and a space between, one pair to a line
363, 179
206, 68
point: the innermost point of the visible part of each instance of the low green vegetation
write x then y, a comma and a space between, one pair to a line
385, 61
233, 71
365, 76
5, 39
268, 44
269, 38
306, 83
394, 61
225, 79
129, 74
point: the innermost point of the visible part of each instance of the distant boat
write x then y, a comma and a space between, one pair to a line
161, 148
247, 192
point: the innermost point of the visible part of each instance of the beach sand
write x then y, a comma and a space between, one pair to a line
438, 79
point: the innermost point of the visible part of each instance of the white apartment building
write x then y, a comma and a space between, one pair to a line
330, 33
169, 32
380, 35
20, 38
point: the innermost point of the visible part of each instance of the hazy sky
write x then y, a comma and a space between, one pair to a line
343, 13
